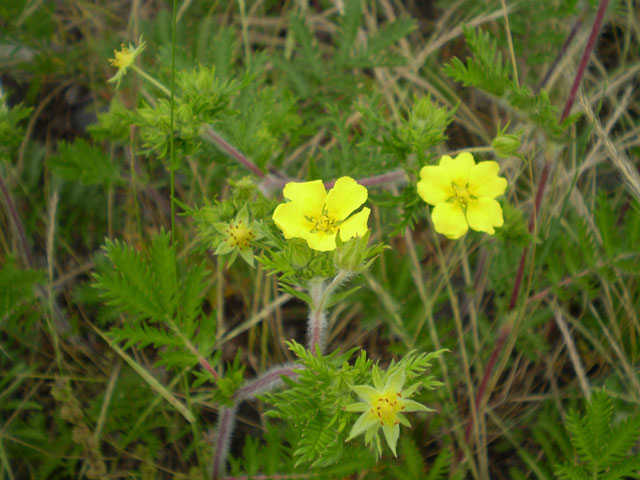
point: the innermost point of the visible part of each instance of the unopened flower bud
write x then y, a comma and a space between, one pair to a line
505, 145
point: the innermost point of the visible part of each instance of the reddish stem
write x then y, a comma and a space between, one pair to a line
532, 221
561, 54
17, 224
266, 381
223, 438
392, 176
585, 58
210, 134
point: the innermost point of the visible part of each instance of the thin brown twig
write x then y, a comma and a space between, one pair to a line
17, 224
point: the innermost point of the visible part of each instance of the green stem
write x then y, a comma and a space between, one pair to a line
172, 152
151, 80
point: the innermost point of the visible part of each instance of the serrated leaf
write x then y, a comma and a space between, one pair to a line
130, 284
621, 439
629, 467
83, 162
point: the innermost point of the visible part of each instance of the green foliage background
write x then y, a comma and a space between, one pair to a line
110, 312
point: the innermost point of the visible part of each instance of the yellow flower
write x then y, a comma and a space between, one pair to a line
317, 216
463, 193
124, 59
238, 237
383, 406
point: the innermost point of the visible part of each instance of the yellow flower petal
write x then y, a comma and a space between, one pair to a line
366, 421
403, 420
366, 393
394, 382
345, 197
435, 185
458, 167
449, 220
356, 225
309, 196
289, 219
485, 214
357, 407
377, 379
484, 180
391, 434
321, 241
412, 406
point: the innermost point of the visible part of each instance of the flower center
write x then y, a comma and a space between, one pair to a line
386, 407
123, 59
240, 235
323, 224
462, 195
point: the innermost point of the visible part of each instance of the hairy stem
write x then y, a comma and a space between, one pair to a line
226, 419
265, 382
317, 316
272, 378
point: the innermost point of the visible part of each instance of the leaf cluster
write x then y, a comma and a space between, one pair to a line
487, 70
602, 446
325, 76
11, 126
17, 288
313, 404
422, 128
245, 203
85, 163
162, 298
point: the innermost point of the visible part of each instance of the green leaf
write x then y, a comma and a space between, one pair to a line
349, 22
130, 285
620, 440
85, 163
441, 465
485, 69
629, 467
16, 287
570, 472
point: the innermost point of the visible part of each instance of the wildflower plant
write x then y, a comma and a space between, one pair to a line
124, 59
253, 263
